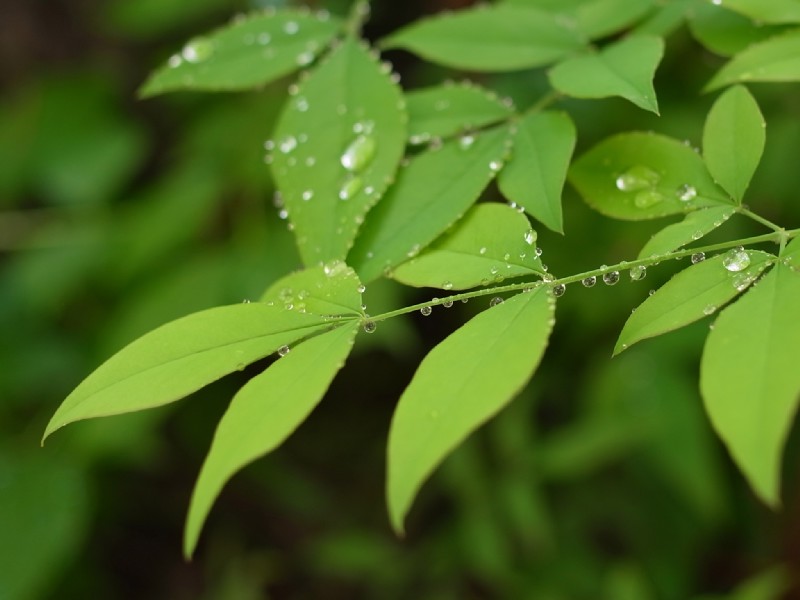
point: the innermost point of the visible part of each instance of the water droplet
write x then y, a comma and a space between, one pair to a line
197, 50
264, 38
648, 198
308, 195
350, 188
611, 278
482, 251
742, 280
736, 260
548, 277
494, 270
558, 290
466, 141
530, 237
589, 281
359, 153
283, 350
447, 285
413, 251
686, 192
709, 310
637, 178
304, 58
638, 272
288, 144
495, 166
697, 235
495, 301
447, 303
240, 366
698, 257
174, 61
538, 252
370, 326
426, 311
291, 27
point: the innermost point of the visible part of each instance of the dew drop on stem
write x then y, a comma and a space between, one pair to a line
589, 281
370, 326
698, 257
611, 278
559, 289
426, 311
495, 301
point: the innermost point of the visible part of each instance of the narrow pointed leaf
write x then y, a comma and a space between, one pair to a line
326, 290
534, 176
625, 68
337, 144
644, 176
733, 140
725, 32
250, 52
183, 356
449, 109
749, 377
697, 291
693, 227
264, 413
463, 382
430, 194
512, 38
775, 59
491, 243
767, 11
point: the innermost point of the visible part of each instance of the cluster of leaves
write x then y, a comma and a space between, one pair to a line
376, 181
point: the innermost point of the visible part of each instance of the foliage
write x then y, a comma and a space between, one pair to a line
454, 187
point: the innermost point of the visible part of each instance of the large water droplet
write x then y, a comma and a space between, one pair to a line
559, 289
611, 278
350, 188
359, 153
426, 311
283, 351
589, 281
495, 301
447, 303
198, 50
698, 257
370, 326
638, 272
648, 198
736, 260
686, 192
637, 178
530, 237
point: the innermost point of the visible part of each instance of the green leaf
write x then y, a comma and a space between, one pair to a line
775, 59
534, 176
430, 194
181, 357
667, 18
264, 413
733, 140
749, 377
460, 384
326, 290
767, 11
449, 109
511, 38
791, 254
697, 291
338, 143
693, 227
625, 68
250, 52
644, 176
491, 243
725, 32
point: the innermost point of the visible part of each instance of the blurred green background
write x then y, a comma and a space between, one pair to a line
603, 480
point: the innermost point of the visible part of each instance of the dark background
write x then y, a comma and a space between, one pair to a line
602, 480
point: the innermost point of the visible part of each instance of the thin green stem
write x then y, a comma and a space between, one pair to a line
359, 12
759, 219
779, 237
545, 101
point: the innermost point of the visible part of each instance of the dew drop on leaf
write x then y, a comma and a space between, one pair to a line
283, 351
359, 153
648, 198
736, 260
197, 50
589, 281
291, 27
447, 285
530, 237
466, 141
495, 301
686, 193
611, 278
637, 178
350, 188
698, 257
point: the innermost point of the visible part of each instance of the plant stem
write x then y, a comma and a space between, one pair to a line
759, 219
359, 12
778, 237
